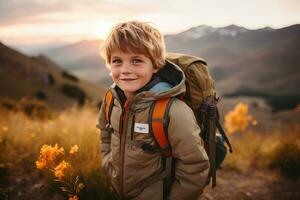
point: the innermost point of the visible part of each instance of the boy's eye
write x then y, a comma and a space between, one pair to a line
136, 61
116, 61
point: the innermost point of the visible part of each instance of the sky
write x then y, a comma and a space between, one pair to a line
38, 23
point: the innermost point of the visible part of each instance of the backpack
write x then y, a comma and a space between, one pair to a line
201, 97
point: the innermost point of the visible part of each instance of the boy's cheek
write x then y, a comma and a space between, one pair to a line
114, 73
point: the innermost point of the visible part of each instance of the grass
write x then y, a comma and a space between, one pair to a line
21, 138
276, 150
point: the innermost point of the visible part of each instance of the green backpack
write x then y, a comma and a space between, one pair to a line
201, 97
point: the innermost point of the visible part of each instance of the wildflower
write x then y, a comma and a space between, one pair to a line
73, 198
60, 168
74, 149
254, 122
40, 164
238, 119
48, 154
5, 129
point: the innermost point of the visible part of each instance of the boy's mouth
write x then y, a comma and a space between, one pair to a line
128, 79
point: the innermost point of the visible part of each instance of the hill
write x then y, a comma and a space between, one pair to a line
83, 59
24, 77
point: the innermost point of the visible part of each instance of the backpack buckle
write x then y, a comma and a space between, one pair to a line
212, 111
203, 107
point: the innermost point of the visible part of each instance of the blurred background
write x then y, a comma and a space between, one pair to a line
52, 80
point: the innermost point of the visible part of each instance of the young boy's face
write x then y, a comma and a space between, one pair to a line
130, 71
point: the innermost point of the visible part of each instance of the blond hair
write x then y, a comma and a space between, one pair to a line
135, 37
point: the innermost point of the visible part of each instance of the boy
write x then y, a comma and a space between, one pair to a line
135, 54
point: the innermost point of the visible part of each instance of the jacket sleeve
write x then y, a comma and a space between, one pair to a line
105, 140
192, 165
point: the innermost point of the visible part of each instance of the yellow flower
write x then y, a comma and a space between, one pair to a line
40, 164
73, 198
48, 154
238, 119
5, 129
74, 149
60, 168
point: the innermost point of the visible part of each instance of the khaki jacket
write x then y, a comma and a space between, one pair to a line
129, 166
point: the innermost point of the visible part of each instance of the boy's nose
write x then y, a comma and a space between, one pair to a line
126, 68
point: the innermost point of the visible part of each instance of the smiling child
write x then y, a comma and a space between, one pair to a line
135, 54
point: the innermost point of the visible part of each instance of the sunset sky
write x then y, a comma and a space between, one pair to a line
28, 23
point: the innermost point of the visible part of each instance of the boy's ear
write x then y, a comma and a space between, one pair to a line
155, 70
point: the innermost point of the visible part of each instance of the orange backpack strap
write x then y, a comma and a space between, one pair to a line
159, 121
109, 98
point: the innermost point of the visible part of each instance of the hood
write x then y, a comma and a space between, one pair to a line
169, 81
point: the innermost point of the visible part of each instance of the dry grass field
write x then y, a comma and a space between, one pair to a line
57, 157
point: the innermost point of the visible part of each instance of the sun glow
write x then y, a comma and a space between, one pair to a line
102, 29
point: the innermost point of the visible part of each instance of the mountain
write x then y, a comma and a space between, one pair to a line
261, 62
73, 52
40, 78
203, 30
83, 59
265, 60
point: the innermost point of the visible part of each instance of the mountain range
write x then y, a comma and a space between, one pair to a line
264, 60
261, 63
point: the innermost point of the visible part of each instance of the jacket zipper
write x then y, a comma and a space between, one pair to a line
123, 131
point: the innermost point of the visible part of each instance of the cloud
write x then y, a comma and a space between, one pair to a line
72, 19
31, 11
15, 11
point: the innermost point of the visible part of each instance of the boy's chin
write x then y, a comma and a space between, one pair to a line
126, 90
